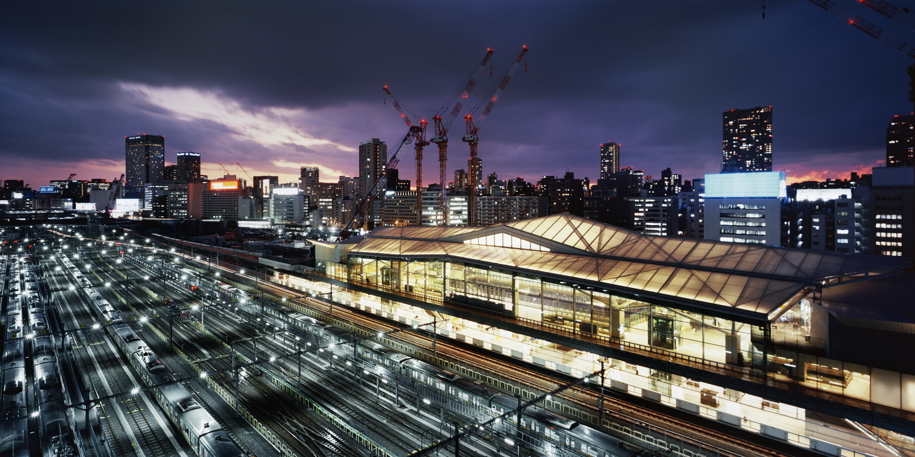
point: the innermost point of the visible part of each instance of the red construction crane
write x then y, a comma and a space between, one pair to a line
875, 31
420, 144
900, 15
225, 169
472, 129
456, 104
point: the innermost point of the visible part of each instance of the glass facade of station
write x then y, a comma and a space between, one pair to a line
751, 412
794, 353
747, 311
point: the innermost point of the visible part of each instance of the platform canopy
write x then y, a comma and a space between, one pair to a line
752, 278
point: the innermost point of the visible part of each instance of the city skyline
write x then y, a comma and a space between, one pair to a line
835, 89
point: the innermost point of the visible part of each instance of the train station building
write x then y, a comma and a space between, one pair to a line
778, 341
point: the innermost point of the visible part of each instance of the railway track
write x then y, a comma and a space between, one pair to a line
151, 439
720, 442
336, 395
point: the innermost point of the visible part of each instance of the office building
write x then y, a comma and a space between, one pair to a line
373, 158
145, 160
150, 191
350, 186
498, 209
563, 195
745, 207
189, 166
287, 204
399, 209
460, 180
900, 141
394, 182
609, 159
657, 216
171, 172
747, 142
263, 187
308, 177
692, 214
221, 198
893, 212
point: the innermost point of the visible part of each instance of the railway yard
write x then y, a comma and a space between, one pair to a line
125, 346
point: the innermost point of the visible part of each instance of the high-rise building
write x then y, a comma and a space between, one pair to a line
308, 178
745, 208
263, 187
478, 170
900, 141
222, 197
747, 140
189, 166
287, 204
564, 195
145, 158
460, 179
654, 215
373, 158
893, 212
171, 173
609, 159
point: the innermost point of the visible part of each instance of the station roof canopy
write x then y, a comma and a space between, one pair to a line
750, 278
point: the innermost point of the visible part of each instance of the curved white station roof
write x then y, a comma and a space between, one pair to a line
751, 278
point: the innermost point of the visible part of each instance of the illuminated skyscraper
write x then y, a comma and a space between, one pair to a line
747, 142
900, 142
145, 158
189, 166
373, 158
609, 159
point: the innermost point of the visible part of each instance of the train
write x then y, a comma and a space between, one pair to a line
201, 430
548, 426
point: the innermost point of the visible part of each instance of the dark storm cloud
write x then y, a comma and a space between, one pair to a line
654, 76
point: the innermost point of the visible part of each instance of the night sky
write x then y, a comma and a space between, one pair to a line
280, 85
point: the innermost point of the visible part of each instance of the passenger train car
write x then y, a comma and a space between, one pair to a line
14, 428
558, 430
205, 435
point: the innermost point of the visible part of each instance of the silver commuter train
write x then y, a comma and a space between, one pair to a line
205, 435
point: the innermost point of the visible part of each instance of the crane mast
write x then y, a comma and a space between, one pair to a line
471, 130
456, 102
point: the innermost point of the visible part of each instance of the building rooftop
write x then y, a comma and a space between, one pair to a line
752, 279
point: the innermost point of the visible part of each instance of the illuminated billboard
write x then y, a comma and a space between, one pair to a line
47, 189
223, 185
760, 184
286, 191
128, 205
812, 195
85, 206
